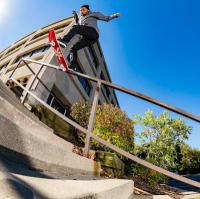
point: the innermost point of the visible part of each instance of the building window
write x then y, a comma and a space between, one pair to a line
57, 105
23, 56
46, 32
15, 47
112, 102
32, 53
84, 82
107, 91
45, 48
17, 90
40, 35
3, 68
39, 50
93, 56
105, 87
100, 51
60, 27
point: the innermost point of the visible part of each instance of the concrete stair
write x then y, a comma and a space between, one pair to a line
35, 163
18, 187
7, 94
26, 140
150, 197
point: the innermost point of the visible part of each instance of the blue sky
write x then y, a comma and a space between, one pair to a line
153, 48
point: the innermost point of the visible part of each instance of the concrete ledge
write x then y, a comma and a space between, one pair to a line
66, 189
190, 195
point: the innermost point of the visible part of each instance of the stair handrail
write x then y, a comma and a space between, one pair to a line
89, 130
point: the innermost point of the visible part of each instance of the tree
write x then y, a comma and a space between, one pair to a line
160, 140
160, 137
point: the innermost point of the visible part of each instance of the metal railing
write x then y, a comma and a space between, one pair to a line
89, 130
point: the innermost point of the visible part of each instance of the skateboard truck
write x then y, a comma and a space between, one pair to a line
62, 44
62, 67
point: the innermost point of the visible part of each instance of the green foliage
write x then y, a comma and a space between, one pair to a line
190, 160
147, 175
111, 124
159, 139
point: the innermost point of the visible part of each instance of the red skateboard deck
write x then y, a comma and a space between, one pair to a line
59, 55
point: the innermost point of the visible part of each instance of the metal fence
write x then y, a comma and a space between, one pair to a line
89, 130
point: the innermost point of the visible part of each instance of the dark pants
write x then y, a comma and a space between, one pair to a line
89, 37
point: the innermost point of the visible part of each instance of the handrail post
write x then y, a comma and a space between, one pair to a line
92, 118
15, 69
35, 74
33, 81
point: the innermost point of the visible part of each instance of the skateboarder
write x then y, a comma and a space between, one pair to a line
86, 26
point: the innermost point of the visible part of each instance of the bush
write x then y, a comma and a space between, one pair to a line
111, 124
147, 175
190, 160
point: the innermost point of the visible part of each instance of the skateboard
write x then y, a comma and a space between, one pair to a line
57, 49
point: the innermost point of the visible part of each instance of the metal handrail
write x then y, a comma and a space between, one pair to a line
88, 131
125, 90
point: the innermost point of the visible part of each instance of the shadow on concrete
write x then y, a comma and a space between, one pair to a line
14, 162
17, 163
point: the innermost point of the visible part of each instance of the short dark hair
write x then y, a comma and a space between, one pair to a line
85, 6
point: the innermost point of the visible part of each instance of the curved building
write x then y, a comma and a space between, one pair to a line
65, 89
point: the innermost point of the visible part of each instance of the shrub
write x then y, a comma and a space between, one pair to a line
147, 175
111, 124
190, 160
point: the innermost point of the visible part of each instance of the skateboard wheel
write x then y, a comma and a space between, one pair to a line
53, 43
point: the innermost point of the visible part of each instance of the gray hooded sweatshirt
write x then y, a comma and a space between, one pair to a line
90, 19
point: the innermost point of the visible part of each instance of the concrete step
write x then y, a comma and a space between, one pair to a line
18, 186
150, 197
12, 113
26, 140
9, 166
20, 145
9, 96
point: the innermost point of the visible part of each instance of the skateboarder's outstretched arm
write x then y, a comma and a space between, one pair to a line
76, 17
102, 17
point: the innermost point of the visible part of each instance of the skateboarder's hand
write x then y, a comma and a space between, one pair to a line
74, 12
117, 14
